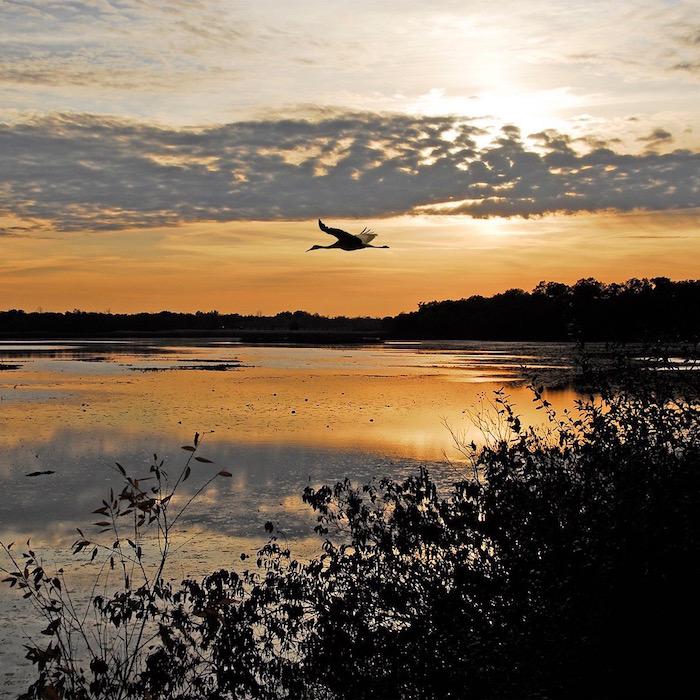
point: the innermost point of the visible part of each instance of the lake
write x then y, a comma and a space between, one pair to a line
276, 417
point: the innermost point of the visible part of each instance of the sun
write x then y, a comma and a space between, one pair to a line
530, 110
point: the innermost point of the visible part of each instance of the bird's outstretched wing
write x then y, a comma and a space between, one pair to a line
366, 236
337, 232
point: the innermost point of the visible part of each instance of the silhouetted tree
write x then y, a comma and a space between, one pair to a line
645, 310
638, 310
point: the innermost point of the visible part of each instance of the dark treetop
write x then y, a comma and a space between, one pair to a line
637, 310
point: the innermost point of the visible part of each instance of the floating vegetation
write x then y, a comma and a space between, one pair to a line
213, 367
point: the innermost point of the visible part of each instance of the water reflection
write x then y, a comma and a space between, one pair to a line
286, 417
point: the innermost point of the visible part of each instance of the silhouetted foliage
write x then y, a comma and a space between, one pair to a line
562, 565
637, 310
85, 323
647, 310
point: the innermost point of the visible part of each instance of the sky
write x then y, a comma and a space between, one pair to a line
176, 155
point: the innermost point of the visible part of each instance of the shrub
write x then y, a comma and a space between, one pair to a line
561, 566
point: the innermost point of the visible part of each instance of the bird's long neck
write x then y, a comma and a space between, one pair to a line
369, 245
323, 247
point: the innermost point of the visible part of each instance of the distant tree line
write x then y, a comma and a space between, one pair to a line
656, 309
79, 322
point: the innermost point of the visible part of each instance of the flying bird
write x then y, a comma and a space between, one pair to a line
347, 241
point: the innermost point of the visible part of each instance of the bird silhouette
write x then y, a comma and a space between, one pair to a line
347, 241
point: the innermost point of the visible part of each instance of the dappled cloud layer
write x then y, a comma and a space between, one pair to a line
91, 172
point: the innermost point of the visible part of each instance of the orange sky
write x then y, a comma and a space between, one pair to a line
261, 266
176, 156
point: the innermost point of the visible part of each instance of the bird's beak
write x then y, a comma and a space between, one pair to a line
310, 249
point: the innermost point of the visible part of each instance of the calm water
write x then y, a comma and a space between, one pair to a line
281, 416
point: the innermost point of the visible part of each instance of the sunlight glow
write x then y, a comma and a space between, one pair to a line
530, 111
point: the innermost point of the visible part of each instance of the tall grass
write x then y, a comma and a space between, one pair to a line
100, 648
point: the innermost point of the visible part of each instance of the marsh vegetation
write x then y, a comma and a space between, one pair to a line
558, 565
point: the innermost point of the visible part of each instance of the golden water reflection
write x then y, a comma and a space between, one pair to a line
384, 400
283, 417
279, 416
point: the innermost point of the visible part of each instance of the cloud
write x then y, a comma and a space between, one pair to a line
692, 37
657, 136
17, 231
686, 49
687, 66
77, 69
85, 172
213, 58
103, 44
